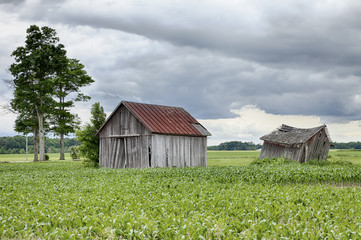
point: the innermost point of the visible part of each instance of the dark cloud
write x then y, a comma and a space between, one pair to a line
296, 39
12, 2
289, 58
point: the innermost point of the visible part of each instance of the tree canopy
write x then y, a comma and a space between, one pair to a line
44, 79
89, 147
68, 82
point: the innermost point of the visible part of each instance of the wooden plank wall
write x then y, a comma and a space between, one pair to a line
270, 150
319, 146
178, 151
113, 152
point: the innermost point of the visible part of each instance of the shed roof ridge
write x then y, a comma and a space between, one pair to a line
292, 135
175, 120
161, 119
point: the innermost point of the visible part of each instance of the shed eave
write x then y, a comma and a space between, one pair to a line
177, 134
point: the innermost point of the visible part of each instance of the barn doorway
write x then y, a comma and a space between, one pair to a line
125, 152
149, 156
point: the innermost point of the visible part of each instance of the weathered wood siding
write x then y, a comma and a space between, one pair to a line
316, 147
271, 150
123, 151
178, 151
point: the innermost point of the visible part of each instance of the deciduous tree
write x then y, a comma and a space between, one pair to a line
35, 68
89, 147
67, 91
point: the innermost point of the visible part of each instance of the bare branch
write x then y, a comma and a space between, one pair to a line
7, 108
9, 83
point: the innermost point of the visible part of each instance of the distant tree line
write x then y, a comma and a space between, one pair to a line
236, 145
17, 144
349, 145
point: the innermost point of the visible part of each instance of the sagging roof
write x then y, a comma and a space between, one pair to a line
164, 119
290, 135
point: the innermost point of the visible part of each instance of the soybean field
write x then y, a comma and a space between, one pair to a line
243, 199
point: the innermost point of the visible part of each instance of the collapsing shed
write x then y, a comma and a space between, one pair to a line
138, 135
297, 144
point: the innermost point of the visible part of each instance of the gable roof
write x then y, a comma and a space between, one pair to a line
290, 135
163, 119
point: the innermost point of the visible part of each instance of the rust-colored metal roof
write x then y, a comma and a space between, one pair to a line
165, 119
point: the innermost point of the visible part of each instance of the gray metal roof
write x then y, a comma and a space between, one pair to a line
290, 135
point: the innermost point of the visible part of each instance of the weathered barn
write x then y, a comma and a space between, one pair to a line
297, 143
138, 135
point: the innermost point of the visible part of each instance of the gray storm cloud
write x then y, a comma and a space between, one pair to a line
285, 58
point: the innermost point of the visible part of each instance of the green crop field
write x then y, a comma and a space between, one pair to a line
268, 200
22, 157
243, 158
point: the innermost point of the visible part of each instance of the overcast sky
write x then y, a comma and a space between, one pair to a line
242, 68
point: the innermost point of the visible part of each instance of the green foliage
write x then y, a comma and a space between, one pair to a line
61, 200
67, 83
74, 152
16, 144
89, 147
44, 78
328, 163
272, 161
46, 157
348, 145
97, 115
22, 157
283, 161
34, 69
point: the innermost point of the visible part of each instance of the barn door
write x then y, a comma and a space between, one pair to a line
117, 153
125, 152
132, 152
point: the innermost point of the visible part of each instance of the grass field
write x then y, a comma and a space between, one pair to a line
214, 158
22, 157
282, 200
243, 158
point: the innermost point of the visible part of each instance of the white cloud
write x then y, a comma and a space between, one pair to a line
251, 123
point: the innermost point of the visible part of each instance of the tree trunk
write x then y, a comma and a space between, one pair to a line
41, 137
36, 139
62, 155
26, 146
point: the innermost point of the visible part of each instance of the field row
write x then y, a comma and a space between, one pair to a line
214, 158
62, 200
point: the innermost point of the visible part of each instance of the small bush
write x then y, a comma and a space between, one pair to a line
328, 163
46, 157
272, 161
74, 152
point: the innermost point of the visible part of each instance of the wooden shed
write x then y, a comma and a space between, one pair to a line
138, 135
297, 144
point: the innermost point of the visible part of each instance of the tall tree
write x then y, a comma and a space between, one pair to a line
89, 147
36, 65
68, 85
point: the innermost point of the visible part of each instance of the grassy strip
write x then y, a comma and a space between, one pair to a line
22, 157
214, 158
